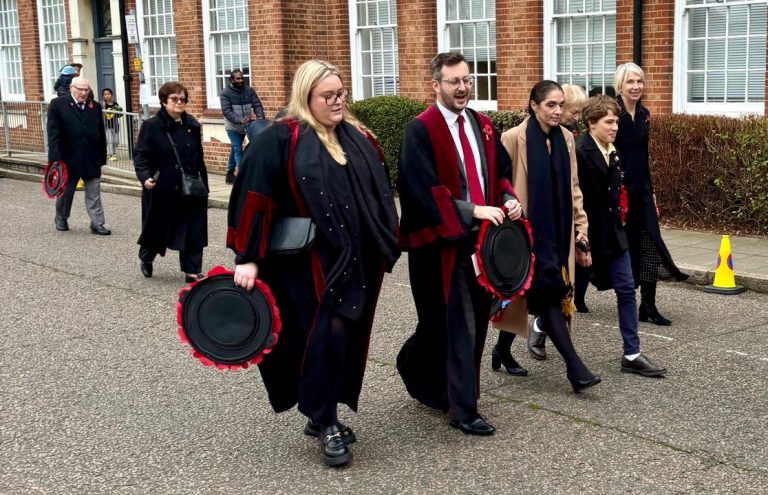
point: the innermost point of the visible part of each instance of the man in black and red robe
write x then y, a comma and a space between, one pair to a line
454, 174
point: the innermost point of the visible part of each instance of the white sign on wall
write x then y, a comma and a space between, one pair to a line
130, 27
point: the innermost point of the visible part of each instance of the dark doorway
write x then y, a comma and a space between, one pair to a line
102, 41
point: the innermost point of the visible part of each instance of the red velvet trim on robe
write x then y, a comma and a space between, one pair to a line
254, 204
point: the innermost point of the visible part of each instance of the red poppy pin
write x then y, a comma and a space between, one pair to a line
575, 133
487, 132
90, 105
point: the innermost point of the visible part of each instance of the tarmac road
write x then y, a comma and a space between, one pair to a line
97, 394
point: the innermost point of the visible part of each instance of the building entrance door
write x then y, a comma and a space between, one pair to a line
105, 64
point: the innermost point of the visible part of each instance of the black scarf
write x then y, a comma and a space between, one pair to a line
371, 190
550, 208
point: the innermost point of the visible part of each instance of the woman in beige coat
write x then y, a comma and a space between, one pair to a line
546, 181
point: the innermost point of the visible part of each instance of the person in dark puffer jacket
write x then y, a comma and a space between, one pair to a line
242, 110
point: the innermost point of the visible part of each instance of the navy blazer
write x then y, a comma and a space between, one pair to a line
600, 184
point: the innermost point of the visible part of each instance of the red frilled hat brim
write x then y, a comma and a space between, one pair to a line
226, 326
54, 179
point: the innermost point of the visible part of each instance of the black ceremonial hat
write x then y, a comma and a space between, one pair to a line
54, 179
227, 326
505, 258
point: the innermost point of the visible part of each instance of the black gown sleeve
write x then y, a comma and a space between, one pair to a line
257, 192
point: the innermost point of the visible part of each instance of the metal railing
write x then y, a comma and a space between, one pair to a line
23, 125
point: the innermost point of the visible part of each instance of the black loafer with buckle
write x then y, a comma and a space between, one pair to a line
312, 429
333, 450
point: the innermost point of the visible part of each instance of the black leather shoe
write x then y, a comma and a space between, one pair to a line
581, 307
579, 385
100, 230
512, 366
312, 429
477, 426
333, 450
146, 268
641, 365
61, 224
650, 313
536, 340
193, 278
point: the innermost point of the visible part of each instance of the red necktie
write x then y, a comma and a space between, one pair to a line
473, 181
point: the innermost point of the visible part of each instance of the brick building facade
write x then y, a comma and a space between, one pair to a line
700, 56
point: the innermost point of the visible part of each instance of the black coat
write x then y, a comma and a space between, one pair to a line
169, 220
632, 143
77, 137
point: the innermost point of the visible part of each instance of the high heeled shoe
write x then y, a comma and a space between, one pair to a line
512, 366
580, 385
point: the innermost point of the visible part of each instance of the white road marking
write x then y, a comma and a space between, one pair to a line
655, 335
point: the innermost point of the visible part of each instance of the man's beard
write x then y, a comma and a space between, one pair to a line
238, 85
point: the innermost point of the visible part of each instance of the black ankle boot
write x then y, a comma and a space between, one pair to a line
512, 366
648, 311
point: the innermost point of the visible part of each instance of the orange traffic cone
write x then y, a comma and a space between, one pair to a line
725, 280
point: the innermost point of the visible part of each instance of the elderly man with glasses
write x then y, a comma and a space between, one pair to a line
454, 174
76, 137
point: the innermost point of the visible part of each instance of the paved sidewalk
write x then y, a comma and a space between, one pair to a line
694, 252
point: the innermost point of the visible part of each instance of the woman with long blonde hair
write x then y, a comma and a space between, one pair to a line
317, 162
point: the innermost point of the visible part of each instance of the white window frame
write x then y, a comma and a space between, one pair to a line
49, 76
550, 42
680, 102
356, 32
153, 100
211, 78
4, 76
443, 46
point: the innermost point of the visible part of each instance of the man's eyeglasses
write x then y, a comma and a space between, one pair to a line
81, 90
177, 99
333, 98
455, 82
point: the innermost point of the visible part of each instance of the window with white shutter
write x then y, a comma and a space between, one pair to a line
158, 41
225, 23
11, 81
52, 26
373, 29
580, 43
720, 57
469, 27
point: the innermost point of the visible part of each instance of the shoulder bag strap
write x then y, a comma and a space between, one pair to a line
175, 153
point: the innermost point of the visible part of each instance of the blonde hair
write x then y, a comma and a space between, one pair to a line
622, 72
306, 79
574, 95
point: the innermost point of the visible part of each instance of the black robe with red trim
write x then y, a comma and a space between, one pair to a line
275, 182
436, 226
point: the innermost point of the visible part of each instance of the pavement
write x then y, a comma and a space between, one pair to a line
696, 253
98, 396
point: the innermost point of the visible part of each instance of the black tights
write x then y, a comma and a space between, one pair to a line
556, 328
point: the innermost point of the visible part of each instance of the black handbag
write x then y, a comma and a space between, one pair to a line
290, 235
191, 183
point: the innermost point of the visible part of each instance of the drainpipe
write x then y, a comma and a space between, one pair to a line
126, 75
637, 32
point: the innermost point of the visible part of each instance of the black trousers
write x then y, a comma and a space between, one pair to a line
190, 261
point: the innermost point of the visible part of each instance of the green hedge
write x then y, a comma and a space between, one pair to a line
711, 172
388, 116
708, 172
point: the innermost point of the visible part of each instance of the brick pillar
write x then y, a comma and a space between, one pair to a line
624, 26
658, 53
190, 52
417, 45
519, 51
30, 50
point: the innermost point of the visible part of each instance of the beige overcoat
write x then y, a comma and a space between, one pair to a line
515, 317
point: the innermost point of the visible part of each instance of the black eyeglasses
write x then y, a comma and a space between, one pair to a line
333, 98
177, 99
455, 82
